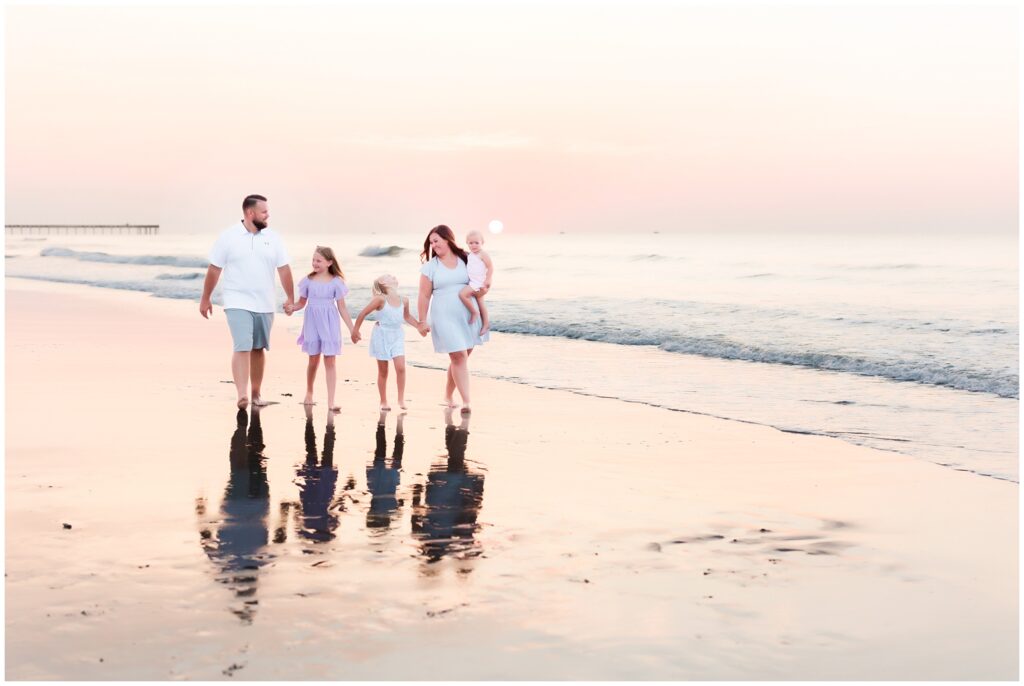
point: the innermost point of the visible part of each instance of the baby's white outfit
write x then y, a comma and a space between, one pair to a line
477, 271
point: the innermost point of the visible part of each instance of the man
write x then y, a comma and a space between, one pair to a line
248, 253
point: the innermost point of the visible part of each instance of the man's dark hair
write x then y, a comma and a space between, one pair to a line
251, 200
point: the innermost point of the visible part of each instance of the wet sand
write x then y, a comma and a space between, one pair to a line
550, 535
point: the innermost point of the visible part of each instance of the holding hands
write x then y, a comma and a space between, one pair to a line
289, 307
355, 336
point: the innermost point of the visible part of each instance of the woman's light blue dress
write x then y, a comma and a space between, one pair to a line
388, 338
449, 319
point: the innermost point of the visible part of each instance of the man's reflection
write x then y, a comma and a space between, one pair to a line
383, 480
444, 518
238, 546
317, 480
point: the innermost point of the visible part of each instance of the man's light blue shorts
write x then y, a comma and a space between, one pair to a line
249, 330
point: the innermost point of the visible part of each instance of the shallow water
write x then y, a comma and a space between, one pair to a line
906, 343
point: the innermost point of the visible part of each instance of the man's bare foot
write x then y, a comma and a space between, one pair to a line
336, 408
384, 407
242, 403
308, 400
449, 402
258, 401
401, 404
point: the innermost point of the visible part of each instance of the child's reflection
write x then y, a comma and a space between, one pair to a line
317, 481
238, 546
383, 480
445, 520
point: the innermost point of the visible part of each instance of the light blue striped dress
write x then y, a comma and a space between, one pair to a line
450, 329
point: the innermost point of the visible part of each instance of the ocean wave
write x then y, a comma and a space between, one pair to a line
181, 277
158, 260
649, 258
175, 287
381, 251
163, 290
933, 374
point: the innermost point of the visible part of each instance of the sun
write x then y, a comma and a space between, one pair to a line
496, 226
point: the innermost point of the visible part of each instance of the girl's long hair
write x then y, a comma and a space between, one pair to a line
449, 237
333, 269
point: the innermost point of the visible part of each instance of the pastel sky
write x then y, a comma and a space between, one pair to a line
620, 116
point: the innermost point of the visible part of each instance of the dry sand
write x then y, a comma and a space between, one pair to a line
579, 538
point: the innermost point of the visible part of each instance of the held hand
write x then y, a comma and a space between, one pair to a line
356, 337
205, 308
289, 307
423, 328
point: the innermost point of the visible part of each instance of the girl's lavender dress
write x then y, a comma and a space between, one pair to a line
321, 324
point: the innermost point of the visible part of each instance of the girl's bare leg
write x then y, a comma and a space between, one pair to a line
466, 296
400, 377
311, 367
382, 383
331, 372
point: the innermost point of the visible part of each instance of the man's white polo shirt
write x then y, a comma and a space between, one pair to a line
249, 261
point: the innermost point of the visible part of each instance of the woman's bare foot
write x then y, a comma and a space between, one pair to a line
258, 401
336, 408
466, 410
242, 403
401, 404
308, 400
449, 402
384, 407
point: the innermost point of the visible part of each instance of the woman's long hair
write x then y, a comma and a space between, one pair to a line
449, 237
334, 269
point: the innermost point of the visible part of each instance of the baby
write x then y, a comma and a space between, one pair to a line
480, 269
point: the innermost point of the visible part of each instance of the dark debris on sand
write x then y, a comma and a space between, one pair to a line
230, 671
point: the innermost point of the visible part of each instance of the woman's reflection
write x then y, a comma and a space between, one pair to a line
317, 481
383, 480
238, 545
444, 518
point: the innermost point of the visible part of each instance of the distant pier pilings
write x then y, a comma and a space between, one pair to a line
71, 229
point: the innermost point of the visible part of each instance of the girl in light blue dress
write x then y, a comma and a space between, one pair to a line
387, 342
443, 276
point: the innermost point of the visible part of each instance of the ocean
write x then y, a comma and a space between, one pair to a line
903, 343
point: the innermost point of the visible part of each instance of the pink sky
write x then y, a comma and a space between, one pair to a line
549, 116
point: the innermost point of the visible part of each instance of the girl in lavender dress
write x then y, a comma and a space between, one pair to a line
322, 293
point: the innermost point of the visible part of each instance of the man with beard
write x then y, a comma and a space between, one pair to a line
248, 253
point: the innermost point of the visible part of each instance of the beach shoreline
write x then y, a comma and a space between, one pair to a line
549, 535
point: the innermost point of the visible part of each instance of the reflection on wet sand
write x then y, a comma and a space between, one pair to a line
236, 542
444, 518
382, 480
316, 480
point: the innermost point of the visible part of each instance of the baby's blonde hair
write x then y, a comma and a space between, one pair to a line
476, 233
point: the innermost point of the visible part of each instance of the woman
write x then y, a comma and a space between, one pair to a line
444, 275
